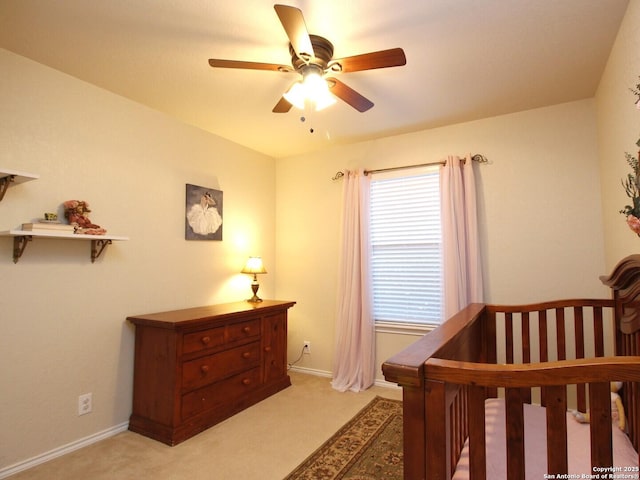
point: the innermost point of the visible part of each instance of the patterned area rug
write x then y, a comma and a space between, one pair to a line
368, 447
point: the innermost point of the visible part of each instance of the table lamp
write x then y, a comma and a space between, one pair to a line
254, 266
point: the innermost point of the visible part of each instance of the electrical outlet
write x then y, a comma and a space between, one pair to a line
85, 404
307, 347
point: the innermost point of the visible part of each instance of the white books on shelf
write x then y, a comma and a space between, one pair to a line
49, 227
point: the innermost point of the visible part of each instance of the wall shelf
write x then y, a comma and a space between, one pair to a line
13, 177
22, 237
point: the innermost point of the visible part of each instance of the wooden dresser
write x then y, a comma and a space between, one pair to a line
195, 367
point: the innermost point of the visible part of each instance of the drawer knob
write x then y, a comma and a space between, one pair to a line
246, 329
267, 348
246, 354
204, 368
206, 340
246, 381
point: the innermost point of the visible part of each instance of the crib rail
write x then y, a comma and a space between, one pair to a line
553, 378
562, 372
548, 331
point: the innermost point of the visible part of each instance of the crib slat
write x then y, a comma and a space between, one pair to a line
556, 397
455, 430
508, 328
477, 440
598, 333
490, 345
635, 418
600, 424
526, 339
581, 393
542, 332
630, 393
514, 416
560, 334
578, 320
526, 349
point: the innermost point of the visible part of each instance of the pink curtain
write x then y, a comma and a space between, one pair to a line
354, 360
461, 245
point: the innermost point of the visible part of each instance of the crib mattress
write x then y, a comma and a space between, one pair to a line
578, 445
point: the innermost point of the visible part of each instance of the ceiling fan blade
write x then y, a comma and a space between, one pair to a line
214, 62
293, 23
349, 95
283, 106
393, 57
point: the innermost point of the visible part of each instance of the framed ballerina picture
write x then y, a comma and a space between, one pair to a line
203, 213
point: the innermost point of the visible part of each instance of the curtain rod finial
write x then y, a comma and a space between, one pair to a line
479, 158
338, 176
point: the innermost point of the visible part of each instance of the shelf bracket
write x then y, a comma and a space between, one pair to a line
4, 184
97, 247
19, 244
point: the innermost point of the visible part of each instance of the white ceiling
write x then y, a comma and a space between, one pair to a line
466, 59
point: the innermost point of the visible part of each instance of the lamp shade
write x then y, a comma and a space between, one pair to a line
254, 265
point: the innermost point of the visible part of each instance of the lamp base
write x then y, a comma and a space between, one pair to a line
254, 288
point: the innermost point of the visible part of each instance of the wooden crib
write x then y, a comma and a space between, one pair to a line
560, 354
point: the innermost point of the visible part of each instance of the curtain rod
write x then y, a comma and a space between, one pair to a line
476, 158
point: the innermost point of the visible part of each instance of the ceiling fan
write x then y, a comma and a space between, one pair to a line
312, 58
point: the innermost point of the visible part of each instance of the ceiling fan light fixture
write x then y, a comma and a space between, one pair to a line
317, 91
296, 95
324, 100
313, 89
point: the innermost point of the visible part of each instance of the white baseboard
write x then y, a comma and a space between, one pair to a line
311, 371
324, 373
58, 452
385, 384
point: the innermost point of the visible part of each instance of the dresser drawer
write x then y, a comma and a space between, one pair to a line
195, 342
203, 371
215, 337
220, 393
239, 331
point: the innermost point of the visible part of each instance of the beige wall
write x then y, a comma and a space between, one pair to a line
63, 318
618, 132
541, 229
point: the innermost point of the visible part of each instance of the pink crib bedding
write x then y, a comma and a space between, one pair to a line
624, 455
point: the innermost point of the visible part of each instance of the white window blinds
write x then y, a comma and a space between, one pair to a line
406, 248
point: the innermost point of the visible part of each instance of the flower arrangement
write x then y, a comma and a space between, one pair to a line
631, 183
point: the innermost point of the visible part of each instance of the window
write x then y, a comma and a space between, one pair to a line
406, 241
